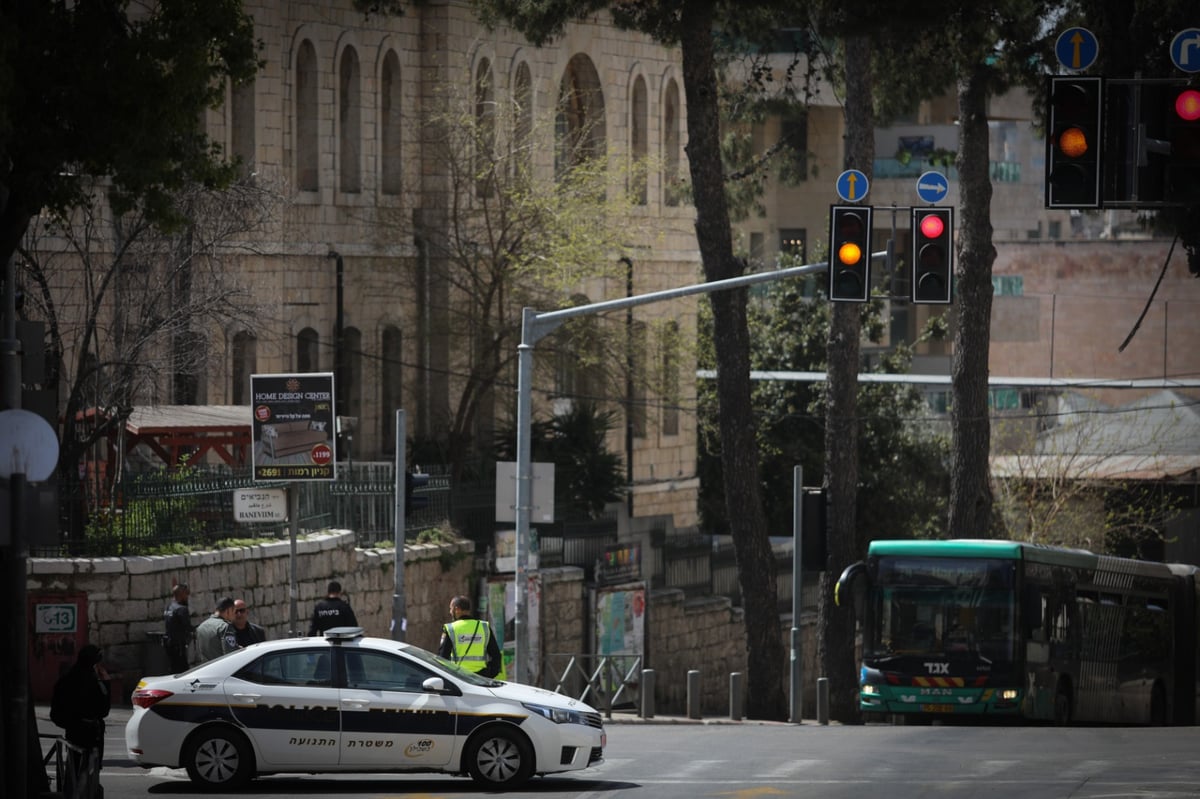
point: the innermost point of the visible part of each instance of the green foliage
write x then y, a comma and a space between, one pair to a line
105, 90
587, 476
903, 468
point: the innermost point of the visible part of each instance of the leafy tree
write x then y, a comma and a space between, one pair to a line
110, 90
129, 307
689, 24
510, 240
587, 476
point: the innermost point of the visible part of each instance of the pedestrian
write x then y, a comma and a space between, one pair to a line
332, 611
245, 631
177, 635
216, 635
469, 642
79, 705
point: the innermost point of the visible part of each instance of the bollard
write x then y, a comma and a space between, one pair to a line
693, 694
823, 700
647, 693
735, 695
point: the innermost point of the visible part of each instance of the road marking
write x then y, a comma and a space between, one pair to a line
790, 768
986, 768
692, 768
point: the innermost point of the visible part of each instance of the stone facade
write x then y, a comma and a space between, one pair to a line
126, 598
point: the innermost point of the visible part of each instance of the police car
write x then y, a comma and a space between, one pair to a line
349, 703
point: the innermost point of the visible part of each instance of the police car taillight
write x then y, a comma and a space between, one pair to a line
145, 697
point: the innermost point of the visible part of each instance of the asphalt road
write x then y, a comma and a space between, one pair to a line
672, 759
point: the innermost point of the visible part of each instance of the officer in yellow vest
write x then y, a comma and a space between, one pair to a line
469, 642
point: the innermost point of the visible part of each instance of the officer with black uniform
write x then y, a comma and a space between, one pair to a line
332, 611
178, 634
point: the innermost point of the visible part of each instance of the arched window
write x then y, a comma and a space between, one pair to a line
391, 383
307, 353
639, 141
522, 138
392, 177
241, 125
189, 353
672, 185
579, 121
485, 129
306, 122
349, 123
245, 362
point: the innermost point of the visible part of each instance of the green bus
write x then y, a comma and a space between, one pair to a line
997, 629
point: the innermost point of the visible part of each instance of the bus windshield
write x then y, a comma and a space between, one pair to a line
951, 608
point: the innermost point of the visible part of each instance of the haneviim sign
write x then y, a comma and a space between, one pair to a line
293, 427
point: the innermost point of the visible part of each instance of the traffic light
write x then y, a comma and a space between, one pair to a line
1074, 143
413, 502
849, 253
1182, 179
932, 254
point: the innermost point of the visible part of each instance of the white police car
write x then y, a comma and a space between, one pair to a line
348, 703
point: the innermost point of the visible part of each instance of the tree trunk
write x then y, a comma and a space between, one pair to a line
970, 487
836, 625
739, 448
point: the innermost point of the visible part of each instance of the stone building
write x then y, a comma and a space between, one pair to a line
358, 271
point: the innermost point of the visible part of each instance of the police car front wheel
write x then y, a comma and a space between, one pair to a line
500, 758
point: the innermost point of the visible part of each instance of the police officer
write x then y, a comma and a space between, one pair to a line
216, 635
332, 611
469, 642
177, 620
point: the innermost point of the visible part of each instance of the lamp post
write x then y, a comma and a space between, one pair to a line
339, 326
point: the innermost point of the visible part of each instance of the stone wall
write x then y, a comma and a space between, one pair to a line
127, 596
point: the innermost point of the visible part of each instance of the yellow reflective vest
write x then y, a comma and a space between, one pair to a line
469, 644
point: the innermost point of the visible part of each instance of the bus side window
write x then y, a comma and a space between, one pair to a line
1033, 613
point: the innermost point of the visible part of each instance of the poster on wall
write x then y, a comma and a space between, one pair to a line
620, 616
500, 612
292, 432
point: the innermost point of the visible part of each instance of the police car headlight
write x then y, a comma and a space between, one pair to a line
556, 714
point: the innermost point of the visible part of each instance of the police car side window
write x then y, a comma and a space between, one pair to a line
302, 668
381, 672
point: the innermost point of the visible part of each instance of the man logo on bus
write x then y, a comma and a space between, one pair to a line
938, 668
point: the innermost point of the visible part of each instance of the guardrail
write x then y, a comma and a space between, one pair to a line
603, 681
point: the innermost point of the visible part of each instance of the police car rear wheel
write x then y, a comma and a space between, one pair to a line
500, 757
219, 758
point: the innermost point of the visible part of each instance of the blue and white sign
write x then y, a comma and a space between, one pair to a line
1185, 50
932, 187
1077, 48
852, 186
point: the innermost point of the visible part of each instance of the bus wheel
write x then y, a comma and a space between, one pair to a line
1158, 705
1062, 705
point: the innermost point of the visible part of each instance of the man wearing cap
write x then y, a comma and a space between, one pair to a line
216, 635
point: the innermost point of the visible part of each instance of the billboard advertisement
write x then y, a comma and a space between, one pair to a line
293, 427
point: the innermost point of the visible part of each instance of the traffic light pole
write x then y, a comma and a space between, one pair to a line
534, 327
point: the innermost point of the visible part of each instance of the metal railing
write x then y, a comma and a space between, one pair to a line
76, 770
603, 681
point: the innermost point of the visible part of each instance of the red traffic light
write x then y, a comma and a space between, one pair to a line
1187, 105
932, 226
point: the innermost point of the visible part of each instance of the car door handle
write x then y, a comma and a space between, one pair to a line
248, 697
356, 703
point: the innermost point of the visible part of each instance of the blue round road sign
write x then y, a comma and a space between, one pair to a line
852, 186
932, 187
1076, 48
1185, 50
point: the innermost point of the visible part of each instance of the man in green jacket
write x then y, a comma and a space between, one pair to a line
216, 635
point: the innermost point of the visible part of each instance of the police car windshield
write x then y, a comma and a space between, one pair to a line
445, 665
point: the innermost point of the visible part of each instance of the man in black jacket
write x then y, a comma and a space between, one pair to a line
332, 611
79, 705
178, 634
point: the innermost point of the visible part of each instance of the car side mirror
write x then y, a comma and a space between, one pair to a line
434, 684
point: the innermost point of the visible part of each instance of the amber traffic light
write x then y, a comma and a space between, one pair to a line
849, 253
1074, 142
